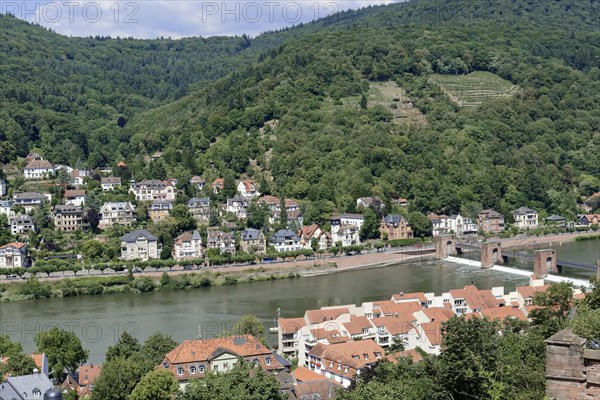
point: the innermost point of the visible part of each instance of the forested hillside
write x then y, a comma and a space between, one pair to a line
292, 113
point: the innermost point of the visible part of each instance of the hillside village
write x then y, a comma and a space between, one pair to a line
103, 216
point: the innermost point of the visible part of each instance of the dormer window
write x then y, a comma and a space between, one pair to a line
201, 369
366, 356
192, 370
37, 393
179, 371
268, 360
331, 365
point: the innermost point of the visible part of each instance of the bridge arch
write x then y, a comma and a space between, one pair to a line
491, 254
544, 262
445, 246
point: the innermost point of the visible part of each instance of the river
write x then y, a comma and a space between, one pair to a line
99, 320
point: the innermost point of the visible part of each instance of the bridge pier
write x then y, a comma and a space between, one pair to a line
544, 262
491, 254
445, 246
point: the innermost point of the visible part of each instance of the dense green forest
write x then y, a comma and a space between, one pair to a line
284, 108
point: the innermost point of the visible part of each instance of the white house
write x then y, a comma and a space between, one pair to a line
39, 169
13, 255
525, 218
348, 235
110, 183
139, 245
121, 213
461, 225
441, 224
285, 240
31, 200
21, 224
150, 190
6, 207
247, 188
337, 221
188, 246
75, 198
238, 205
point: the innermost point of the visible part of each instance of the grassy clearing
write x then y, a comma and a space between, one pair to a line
388, 95
473, 89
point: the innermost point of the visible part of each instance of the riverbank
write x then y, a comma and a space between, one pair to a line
549, 240
69, 286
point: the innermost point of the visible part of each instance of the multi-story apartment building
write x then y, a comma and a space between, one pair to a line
31, 200
253, 241
152, 190
490, 221
13, 255
199, 209
110, 183
159, 210
67, 218
21, 224
225, 242
395, 227
525, 218
188, 246
121, 213
139, 245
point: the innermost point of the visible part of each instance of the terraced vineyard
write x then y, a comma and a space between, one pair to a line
473, 89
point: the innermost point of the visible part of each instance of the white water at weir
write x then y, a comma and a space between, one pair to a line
515, 271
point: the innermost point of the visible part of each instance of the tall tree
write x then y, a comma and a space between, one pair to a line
63, 349
159, 384
125, 347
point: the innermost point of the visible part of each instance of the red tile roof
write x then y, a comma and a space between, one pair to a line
303, 374
389, 307
410, 296
70, 194
318, 316
354, 355
307, 232
476, 299
395, 326
357, 325
290, 325
88, 374
528, 291
18, 245
433, 332
501, 313
439, 314
207, 349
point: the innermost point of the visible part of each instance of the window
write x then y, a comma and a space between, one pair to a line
331, 365
37, 392
346, 370
215, 367
179, 371
339, 367
366, 356
268, 360
192, 370
201, 369
377, 354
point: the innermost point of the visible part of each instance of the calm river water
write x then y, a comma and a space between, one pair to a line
99, 320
